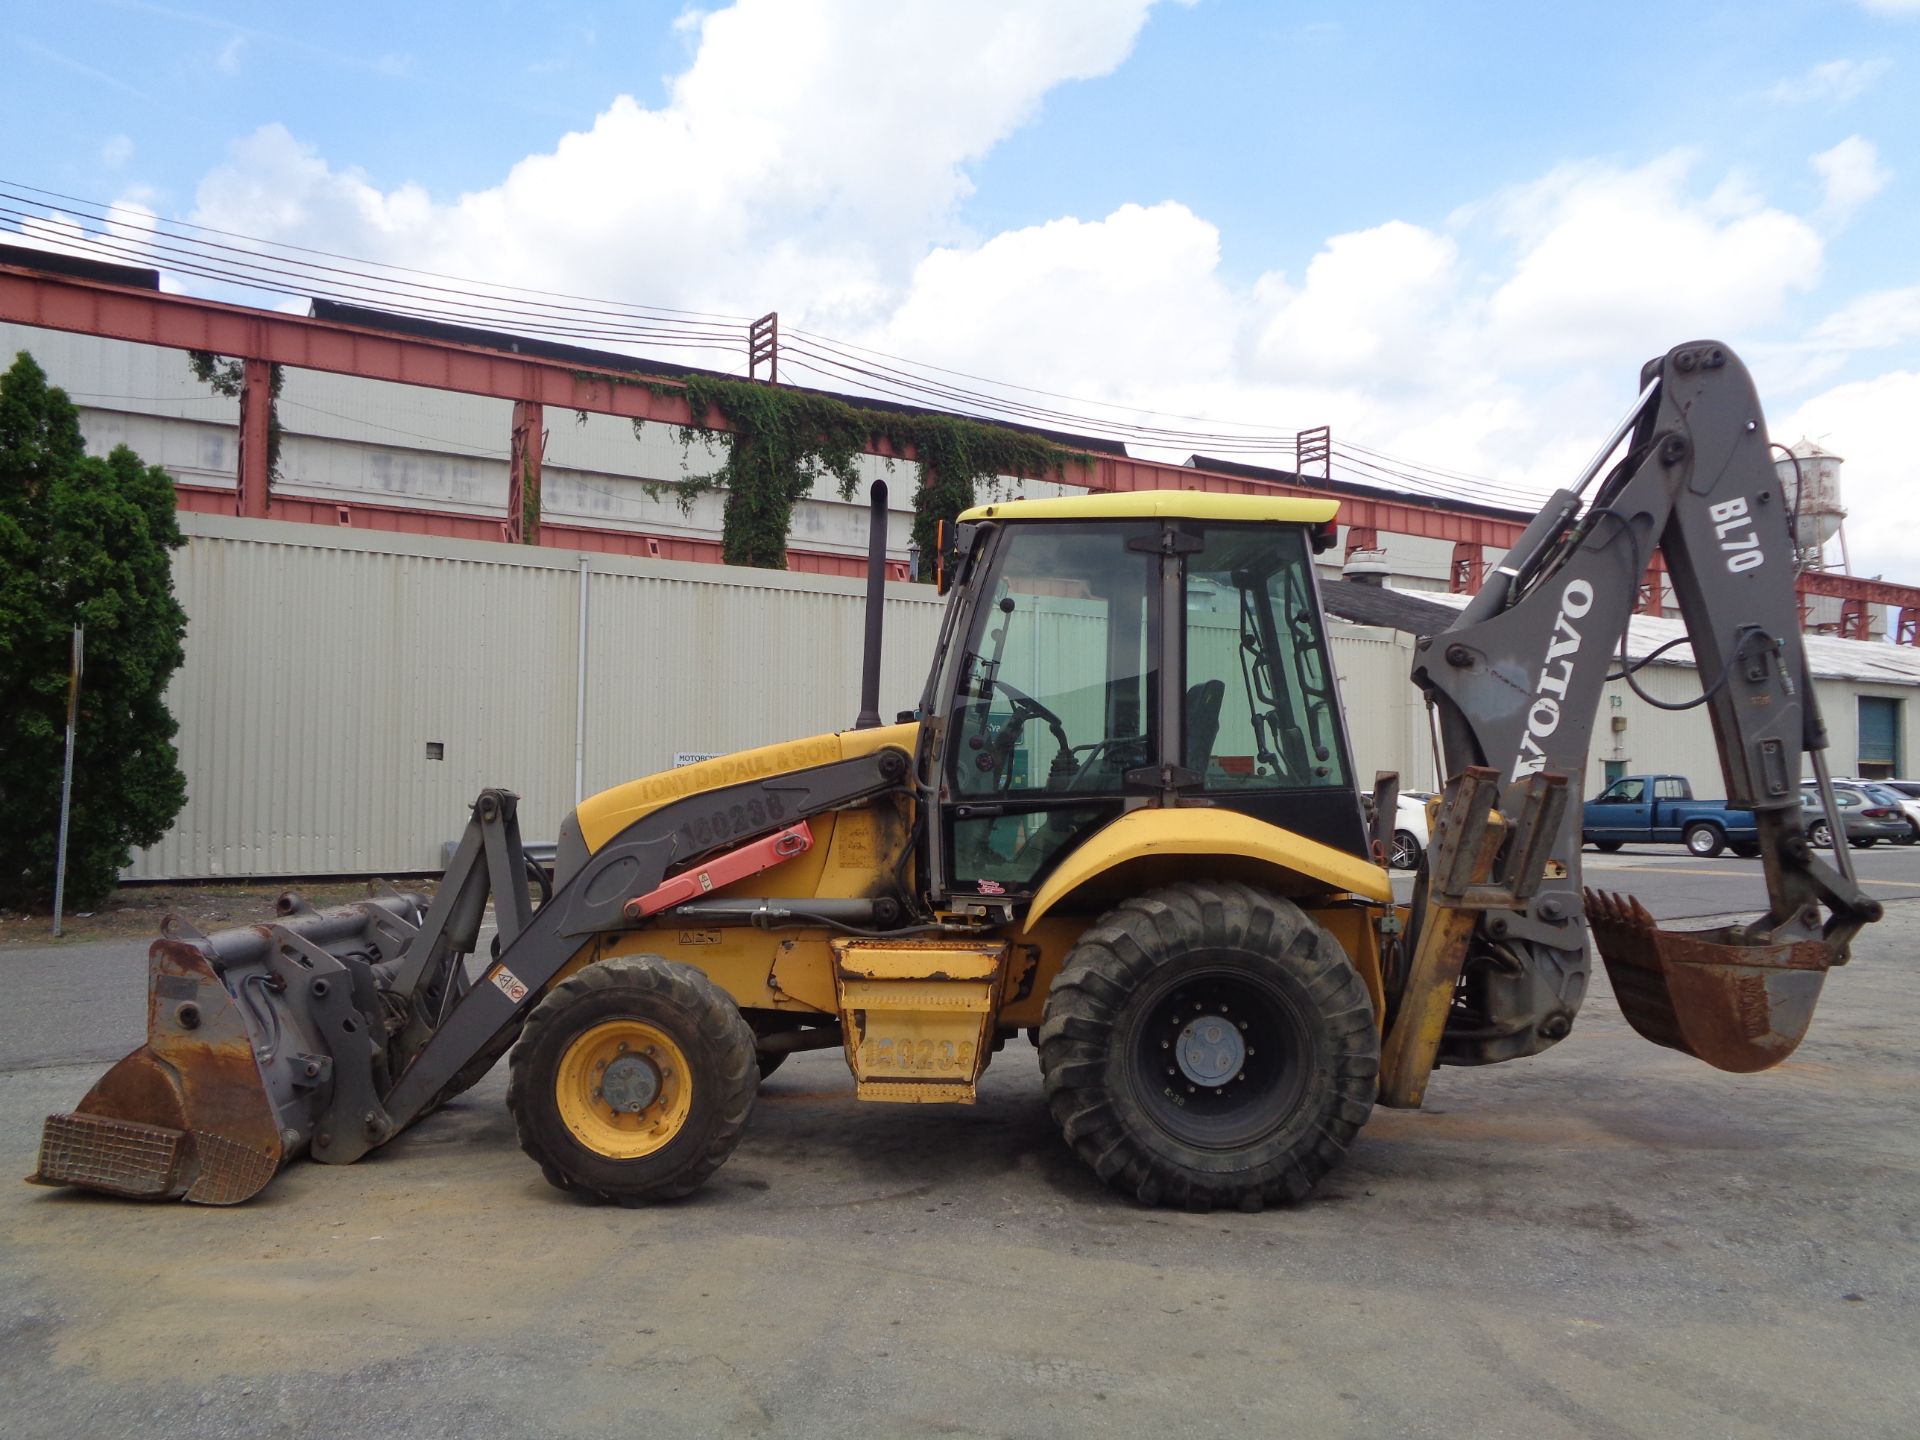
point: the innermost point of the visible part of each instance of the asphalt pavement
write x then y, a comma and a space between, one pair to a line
1674, 885
1608, 1241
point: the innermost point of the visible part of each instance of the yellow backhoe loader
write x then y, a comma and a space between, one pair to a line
1123, 818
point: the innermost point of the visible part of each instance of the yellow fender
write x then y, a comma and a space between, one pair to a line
1151, 846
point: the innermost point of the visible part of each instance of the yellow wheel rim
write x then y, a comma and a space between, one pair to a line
623, 1089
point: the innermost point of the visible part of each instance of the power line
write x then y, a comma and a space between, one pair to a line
104, 213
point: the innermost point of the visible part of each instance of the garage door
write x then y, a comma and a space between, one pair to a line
1879, 737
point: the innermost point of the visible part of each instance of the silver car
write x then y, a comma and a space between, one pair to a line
1865, 821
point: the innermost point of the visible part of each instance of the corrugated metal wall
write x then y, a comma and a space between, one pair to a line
322, 664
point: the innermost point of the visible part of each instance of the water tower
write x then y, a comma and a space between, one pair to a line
1810, 480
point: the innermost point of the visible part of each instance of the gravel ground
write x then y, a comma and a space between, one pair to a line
1607, 1241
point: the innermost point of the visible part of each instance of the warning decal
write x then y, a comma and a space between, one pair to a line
509, 984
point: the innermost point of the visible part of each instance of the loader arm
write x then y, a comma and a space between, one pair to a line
1515, 685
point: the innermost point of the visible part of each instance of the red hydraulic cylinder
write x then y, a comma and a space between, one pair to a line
749, 859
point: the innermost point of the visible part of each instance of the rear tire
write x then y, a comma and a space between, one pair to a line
1745, 849
1819, 836
1607, 847
768, 1061
1259, 1015
680, 1052
1863, 844
1704, 840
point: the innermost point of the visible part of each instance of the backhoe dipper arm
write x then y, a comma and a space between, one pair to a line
1516, 685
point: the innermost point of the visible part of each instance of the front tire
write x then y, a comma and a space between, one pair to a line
633, 1080
1706, 841
1209, 1045
1608, 847
1863, 844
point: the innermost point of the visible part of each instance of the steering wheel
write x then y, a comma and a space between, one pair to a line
1023, 701
1025, 708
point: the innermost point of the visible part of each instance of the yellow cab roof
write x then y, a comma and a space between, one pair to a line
1163, 504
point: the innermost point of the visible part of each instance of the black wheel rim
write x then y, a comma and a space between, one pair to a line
1220, 1058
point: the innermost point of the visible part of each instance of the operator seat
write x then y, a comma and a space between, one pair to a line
1203, 722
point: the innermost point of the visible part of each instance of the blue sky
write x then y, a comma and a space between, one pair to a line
1451, 231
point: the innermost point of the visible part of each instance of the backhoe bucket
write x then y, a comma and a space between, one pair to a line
1710, 994
262, 1042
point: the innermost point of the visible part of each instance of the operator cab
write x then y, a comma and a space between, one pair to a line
1164, 648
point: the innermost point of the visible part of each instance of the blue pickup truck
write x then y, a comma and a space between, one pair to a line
1660, 809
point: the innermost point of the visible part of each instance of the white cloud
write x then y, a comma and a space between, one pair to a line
1611, 257
227, 62
1873, 322
1369, 307
1852, 174
1892, 7
811, 148
1076, 306
1869, 423
116, 151
1832, 82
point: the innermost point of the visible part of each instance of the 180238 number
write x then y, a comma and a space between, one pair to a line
922, 1057
746, 817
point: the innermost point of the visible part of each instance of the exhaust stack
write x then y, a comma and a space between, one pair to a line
869, 716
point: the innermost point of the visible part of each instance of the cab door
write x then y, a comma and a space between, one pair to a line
1054, 706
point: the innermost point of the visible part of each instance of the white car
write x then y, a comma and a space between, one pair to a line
1409, 828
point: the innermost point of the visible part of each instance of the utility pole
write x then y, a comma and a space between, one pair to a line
66, 778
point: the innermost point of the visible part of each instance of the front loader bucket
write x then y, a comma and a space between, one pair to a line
184, 1116
1712, 994
263, 1042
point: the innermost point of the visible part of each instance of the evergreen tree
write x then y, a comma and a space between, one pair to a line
83, 541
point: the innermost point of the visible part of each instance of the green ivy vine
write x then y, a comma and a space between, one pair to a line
778, 442
228, 377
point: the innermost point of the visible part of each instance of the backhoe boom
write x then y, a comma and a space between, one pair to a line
1516, 686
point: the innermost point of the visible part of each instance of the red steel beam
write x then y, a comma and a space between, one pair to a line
523, 473
1853, 587
1396, 516
147, 317
179, 322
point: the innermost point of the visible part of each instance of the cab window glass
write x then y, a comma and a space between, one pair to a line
1055, 687
1259, 704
